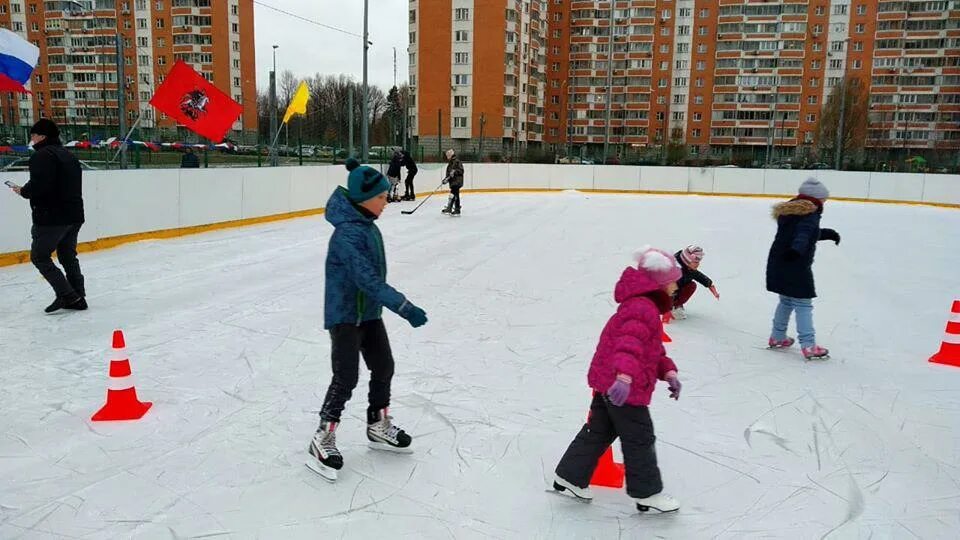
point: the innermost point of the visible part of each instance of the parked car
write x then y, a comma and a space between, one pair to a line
23, 164
819, 165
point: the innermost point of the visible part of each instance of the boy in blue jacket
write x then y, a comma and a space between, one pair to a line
356, 291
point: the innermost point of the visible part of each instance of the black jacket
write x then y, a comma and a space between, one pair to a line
689, 274
55, 188
393, 169
455, 172
790, 261
407, 161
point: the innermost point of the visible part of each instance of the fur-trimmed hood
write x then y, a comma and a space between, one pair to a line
795, 207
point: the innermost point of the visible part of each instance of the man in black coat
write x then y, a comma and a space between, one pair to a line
407, 161
55, 192
790, 265
189, 160
455, 179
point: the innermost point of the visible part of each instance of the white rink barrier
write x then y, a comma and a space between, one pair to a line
125, 204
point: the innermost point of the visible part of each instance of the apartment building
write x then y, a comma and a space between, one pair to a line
477, 74
76, 83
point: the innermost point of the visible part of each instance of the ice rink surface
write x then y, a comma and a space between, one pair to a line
224, 332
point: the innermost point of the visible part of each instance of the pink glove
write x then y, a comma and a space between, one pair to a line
619, 391
713, 289
673, 383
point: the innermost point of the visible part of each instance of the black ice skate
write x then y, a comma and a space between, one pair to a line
325, 459
383, 435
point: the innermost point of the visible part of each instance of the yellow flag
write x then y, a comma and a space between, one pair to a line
298, 105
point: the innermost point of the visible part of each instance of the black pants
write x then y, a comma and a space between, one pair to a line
63, 240
607, 422
454, 197
348, 342
408, 185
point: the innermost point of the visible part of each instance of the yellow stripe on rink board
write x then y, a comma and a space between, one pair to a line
20, 257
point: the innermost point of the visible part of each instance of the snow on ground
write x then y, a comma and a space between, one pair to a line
225, 335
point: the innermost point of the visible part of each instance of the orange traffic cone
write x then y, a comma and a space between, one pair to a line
666, 338
667, 317
608, 472
122, 402
950, 346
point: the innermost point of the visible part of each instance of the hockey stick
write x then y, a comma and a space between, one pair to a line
408, 212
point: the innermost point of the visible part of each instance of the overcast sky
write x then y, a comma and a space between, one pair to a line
307, 49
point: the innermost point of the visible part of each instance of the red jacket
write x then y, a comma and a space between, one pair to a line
631, 341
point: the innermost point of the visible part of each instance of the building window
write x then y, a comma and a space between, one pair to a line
236, 81
34, 26
162, 60
682, 64
661, 100
555, 67
840, 9
662, 83
819, 10
664, 30
700, 65
665, 14
235, 27
413, 16
461, 80
664, 48
699, 82
698, 99
141, 23
702, 48
817, 47
555, 99
815, 64
860, 28
683, 48
556, 33
812, 100
459, 121
861, 9
660, 115
461, 14
236, 63
814, 82
836, 46
858, 46
557, 17
702, 30
680, 81
857, 64
683, 30
836, 64
697, 117
679, 99
413, 59
460, 102
695, 132
811, 118
459, 58
160, 23
684, 12
460, 35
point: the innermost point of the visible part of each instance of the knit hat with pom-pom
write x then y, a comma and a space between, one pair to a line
658, 264
364, 183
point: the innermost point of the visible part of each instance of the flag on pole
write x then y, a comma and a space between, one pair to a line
191, 100
298, 105
18, 57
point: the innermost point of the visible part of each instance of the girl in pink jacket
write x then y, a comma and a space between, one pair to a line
629, 360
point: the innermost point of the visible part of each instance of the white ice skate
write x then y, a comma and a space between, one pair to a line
679, 313
383, 435
561, 485
325, 459
660, 502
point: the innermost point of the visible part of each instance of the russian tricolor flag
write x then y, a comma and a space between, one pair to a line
18, 57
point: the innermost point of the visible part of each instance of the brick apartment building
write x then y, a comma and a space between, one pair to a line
76, 82
722, 77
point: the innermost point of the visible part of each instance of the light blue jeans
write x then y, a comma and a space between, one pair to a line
781, 318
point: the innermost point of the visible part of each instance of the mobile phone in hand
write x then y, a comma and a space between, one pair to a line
10, 184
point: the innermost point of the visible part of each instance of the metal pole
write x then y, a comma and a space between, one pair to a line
783, 124
483, 121
838, 150
350, 119
274, 161
364, 143
406, 114
606, 133
440, 134
122, 102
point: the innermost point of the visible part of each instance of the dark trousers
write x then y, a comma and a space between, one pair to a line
408, 185
607, 422
349, 341
683, 294
455, 197
63, 240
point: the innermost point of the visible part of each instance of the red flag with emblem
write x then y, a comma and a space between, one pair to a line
198, 105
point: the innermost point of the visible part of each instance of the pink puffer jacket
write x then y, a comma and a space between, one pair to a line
631, 342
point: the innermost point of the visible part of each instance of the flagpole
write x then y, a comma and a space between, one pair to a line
277, 136
123, 142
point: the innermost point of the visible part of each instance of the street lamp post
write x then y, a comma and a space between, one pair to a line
274, 161
838, 151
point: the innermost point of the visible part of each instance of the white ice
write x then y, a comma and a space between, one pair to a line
224, 331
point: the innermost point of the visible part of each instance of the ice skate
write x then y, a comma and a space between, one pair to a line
456, 212
815, 352
660, 502
679, 313
325, 459
579, 493
383, 435
785, 343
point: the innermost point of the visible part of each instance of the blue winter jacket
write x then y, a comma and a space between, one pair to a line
356, 289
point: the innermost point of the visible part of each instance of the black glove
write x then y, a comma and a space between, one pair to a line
791, 255
830, 234
445, 180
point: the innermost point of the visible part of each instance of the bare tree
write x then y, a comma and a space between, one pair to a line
854, 120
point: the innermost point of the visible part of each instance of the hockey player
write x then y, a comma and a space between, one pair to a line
407, 161
629, 360
455, 179
356, 292
393, 174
